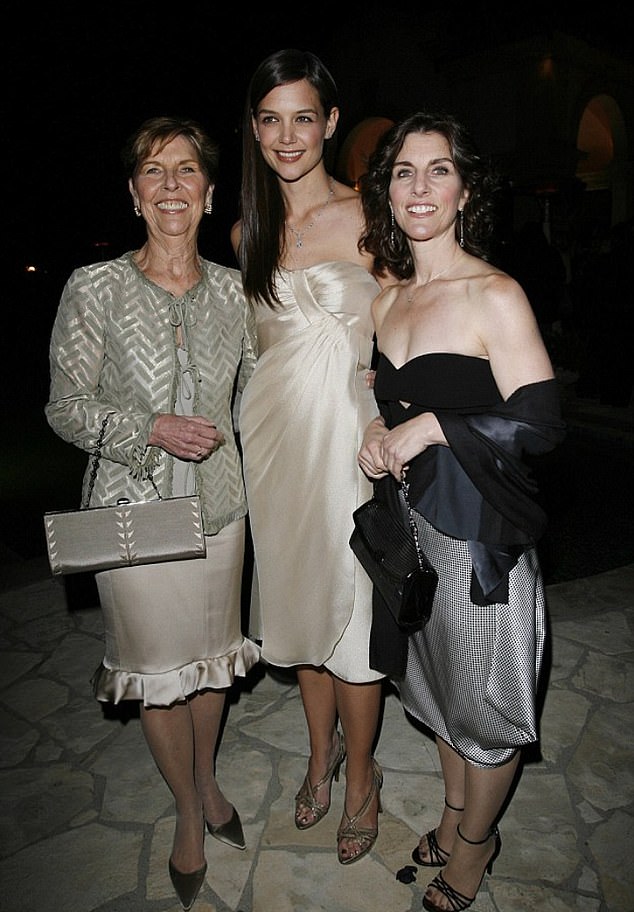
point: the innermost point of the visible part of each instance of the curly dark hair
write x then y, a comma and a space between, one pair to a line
382, 238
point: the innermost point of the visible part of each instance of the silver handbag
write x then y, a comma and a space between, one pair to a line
125, 534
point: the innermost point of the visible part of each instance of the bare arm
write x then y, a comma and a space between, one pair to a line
510, 336
507, 333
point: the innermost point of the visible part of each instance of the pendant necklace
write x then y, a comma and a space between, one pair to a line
414, 288
299, 235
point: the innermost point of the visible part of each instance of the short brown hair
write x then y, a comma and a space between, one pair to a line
163, 130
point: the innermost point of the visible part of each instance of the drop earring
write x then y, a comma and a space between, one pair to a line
137, 211
392, 232
461, 227
208, 208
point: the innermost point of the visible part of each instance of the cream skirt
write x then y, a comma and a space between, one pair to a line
172, 629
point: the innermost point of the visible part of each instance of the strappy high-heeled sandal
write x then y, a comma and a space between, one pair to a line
458, 902
305, 798
438, 857
365, 837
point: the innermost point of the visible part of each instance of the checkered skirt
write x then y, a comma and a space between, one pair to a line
472, 672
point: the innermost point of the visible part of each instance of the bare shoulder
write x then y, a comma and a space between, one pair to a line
347, 203
340, 227
486, 287
506, 326
509, 333
345, 192
500, 296
498, 284
383, 302
236, 235
388, 295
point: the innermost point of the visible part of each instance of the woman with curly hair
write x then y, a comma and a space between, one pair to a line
465, 390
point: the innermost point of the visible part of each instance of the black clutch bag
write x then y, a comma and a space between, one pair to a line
390, 554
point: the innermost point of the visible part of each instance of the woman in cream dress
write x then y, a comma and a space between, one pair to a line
302, 417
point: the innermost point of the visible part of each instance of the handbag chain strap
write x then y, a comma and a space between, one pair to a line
95, 465
95, 462
412, 521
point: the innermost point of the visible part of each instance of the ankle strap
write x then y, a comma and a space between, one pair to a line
492, 832
451, 807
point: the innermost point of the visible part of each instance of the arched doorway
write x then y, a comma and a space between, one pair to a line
601, 142
360, 143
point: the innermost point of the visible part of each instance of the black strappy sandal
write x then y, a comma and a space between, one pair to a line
458, 902
438, 857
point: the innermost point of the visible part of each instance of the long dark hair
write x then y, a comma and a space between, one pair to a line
261, 202
382, 237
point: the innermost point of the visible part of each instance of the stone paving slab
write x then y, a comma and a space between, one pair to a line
86, 822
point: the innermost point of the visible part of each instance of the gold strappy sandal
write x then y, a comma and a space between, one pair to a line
305, 798
365, 837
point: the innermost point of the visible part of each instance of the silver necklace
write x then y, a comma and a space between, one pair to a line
414, 288
299, 234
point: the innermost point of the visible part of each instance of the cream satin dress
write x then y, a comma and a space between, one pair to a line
302, 418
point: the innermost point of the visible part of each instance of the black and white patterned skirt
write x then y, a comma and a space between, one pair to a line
472, 672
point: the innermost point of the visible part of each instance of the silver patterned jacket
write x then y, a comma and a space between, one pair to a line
113, 356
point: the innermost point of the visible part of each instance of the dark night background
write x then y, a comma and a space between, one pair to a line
80, 79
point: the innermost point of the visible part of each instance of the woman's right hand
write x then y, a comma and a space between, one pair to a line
193, 438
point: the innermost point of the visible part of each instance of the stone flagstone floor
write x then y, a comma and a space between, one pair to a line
86, 822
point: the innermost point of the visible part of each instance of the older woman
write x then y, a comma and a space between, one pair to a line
157, 340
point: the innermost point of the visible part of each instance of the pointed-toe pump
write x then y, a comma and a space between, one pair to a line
230, 832
305, 798
187, 886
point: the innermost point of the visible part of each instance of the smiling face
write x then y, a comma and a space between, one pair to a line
171, 188
426, 190
291, 126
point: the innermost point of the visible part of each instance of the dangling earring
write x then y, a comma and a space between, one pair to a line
461, 227
257, 137
208, 208
137, 211
392, 232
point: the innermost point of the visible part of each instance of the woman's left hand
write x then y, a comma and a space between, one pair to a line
406, 440
194, 438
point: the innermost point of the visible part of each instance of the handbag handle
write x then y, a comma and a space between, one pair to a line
412, 521
95, 465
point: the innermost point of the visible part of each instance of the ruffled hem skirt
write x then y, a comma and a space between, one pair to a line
166, 688
173, 629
